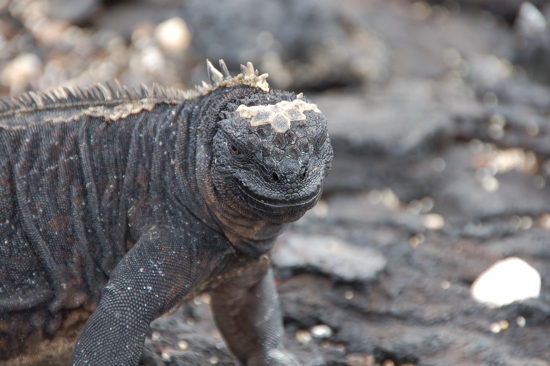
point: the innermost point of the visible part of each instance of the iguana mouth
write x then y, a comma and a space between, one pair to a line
271, 202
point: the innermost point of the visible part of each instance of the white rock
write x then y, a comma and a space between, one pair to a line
173, 34
530, 21
20, 71
511, 279
321, 331
433, 221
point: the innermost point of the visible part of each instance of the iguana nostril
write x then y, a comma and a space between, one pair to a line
275, 176
290, 170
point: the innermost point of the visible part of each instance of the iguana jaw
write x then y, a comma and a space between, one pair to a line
304, 202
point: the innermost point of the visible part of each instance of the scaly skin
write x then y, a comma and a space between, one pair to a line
116, 208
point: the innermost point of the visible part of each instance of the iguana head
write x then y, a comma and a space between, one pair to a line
262, 158
272, 152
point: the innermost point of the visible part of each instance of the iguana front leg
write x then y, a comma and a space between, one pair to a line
247, 312
153, 276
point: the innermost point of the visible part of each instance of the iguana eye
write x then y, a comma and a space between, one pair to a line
233, 149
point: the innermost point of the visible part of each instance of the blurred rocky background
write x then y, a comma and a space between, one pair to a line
432, 243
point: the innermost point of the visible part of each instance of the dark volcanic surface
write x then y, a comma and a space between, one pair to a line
442, 154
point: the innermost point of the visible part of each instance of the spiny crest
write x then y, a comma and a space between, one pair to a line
100, 94
248, 76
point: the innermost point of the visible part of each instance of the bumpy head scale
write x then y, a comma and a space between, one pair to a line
277, 115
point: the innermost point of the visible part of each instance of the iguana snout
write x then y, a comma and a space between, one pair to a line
290, 170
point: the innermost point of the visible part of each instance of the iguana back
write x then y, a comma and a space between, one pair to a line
66, 175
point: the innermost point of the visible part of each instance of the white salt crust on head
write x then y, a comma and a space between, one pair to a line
277, 115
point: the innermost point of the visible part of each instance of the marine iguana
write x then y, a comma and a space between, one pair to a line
116, 205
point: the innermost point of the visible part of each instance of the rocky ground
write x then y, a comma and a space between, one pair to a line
438, 114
